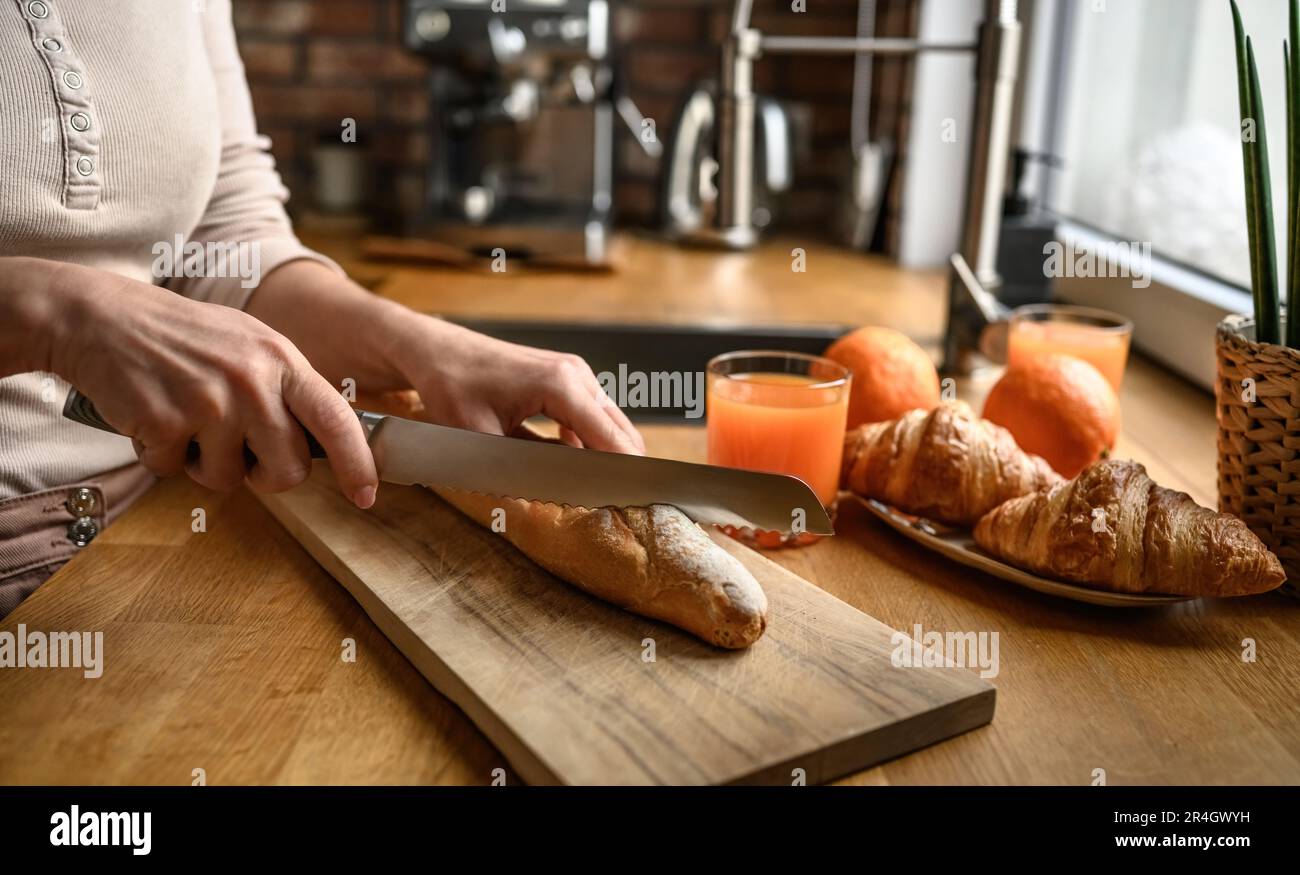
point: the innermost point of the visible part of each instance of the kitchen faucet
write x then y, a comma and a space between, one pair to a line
996, 48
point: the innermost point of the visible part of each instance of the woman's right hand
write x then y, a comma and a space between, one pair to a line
166, 370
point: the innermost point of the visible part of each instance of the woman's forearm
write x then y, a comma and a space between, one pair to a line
344, 330
463, 378
34, 313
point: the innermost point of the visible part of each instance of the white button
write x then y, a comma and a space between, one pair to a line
51, 45
80, 121
72, 79
37, 9
85, 166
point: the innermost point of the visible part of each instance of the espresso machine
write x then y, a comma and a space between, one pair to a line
524, 104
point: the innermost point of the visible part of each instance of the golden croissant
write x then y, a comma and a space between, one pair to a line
944, 464
1114, 528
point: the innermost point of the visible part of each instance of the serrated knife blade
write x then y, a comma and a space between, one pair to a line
420, 453
414, 453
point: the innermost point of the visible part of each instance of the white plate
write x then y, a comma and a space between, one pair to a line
958, 545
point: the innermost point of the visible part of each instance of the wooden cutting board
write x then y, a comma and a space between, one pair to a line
563, 683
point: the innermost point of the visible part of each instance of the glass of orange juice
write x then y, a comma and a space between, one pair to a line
782, 413
1099, 337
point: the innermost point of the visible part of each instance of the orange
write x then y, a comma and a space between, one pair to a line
891, 374
1058, 407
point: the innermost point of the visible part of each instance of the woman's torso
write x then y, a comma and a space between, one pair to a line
146, 89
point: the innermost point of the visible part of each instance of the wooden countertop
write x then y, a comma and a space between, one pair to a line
223, 647
665, 284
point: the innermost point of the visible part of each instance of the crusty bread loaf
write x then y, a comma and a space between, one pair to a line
651, 560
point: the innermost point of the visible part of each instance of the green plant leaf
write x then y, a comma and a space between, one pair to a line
1263, 198
1289, 225
1292, 77
1254, 160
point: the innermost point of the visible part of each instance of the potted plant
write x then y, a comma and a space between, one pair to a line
1258, 386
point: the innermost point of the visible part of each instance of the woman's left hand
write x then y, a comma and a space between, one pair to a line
465, 379
468, 380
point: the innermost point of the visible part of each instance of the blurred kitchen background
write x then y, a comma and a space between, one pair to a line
311, 63
1123, 128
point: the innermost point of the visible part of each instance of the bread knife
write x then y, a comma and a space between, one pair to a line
412, 453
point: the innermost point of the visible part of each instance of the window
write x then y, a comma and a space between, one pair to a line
1138, 98
1148, 125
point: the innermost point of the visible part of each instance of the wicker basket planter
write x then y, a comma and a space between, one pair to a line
1258, 409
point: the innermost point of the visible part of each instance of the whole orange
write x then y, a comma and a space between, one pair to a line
891, 374
1058, 407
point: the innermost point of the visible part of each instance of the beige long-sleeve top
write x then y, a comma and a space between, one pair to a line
124, 126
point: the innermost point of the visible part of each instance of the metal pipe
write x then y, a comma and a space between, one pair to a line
736, 150
995, 80
835, 45
734, 224
995, 77
740, 15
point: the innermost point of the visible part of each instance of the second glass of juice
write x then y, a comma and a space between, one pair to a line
1099, 337
781, 413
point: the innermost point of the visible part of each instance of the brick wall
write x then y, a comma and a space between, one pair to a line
312, 63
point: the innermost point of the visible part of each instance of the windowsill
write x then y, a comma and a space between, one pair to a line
1173, 319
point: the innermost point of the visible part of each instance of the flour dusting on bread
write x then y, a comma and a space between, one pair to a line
654, 561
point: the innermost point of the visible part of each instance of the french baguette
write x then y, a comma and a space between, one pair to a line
653, 561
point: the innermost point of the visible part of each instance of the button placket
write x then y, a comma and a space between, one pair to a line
80, 131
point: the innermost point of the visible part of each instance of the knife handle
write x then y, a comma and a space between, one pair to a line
81, 409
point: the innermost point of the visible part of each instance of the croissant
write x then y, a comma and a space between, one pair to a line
1114, 528
945, 464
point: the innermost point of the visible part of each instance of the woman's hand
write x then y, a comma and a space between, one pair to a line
468, 380
464, 379
166, 371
